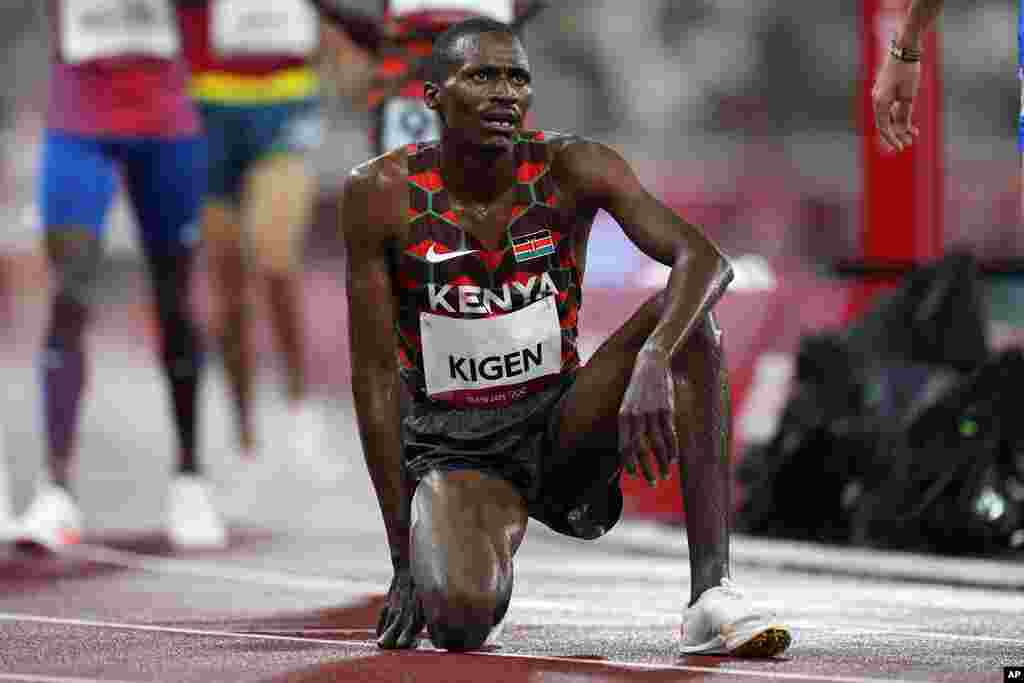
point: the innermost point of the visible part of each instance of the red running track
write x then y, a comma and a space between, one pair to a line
295, 596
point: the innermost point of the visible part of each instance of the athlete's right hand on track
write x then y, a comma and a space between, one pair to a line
401, 619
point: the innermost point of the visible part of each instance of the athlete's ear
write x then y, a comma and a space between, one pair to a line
432, 95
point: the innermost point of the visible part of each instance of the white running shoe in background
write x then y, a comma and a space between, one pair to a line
193, 522
723, 621
309, 445
51, 521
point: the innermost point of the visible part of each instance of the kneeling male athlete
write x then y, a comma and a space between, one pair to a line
469, 253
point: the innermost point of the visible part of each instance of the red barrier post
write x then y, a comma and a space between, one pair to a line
902, 206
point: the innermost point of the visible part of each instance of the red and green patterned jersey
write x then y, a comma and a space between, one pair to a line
480, 326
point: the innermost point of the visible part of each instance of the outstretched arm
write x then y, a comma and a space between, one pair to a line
898, 80
700, 273
375, 387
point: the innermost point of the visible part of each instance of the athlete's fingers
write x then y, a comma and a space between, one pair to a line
658, 450
414, 621
382, 621
386, 639
627, 443
629, 460
390, 638
903, 127
883, 118
646, 457
664, 436
889, 140
387, 629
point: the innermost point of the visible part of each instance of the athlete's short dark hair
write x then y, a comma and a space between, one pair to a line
446, 57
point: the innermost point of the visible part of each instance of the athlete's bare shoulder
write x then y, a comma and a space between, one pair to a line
563, 143
375, 193
589, 167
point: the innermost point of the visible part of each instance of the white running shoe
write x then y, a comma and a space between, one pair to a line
723, 621
313, 459
192, 520
52, 521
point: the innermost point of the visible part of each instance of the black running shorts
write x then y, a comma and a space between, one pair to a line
576, 494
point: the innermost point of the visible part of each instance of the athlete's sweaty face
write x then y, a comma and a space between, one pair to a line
484, 101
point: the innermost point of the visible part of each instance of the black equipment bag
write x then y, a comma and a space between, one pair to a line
800, 484
955, 482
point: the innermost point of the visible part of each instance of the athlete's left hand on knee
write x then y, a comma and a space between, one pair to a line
647, 433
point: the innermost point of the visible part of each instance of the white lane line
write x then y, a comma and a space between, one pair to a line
36, 678
149, 628
888, 630
611, 664
239, 574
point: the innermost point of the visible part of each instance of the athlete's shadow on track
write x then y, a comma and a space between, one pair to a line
23, 565
155, 542
22, 569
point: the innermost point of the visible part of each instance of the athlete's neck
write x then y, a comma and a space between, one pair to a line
481, 174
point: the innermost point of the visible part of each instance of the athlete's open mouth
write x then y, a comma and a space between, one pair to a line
500, 120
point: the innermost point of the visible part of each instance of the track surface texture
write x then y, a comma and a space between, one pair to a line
296, 594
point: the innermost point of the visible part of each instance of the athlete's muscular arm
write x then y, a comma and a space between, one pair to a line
898, 81
699, 276
370, 220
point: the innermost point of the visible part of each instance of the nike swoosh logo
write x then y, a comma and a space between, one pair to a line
434, 257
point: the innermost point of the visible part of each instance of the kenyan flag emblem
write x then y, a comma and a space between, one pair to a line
532, 246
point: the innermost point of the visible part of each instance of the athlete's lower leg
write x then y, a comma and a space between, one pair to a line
284, 294
236, 355
704, 428
63, 368
277, 209
231, 307
74, 257
181, 355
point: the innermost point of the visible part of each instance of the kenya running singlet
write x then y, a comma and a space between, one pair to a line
117, 70
479, 327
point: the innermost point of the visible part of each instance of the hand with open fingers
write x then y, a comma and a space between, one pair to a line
647, 427
893, 99
401, 618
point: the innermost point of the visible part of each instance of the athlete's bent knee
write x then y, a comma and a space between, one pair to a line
74, 256
461, 628
461, 620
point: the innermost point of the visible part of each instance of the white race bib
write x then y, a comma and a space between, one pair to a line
486, 361
501, 10
406, 120
94, 29
264, 27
